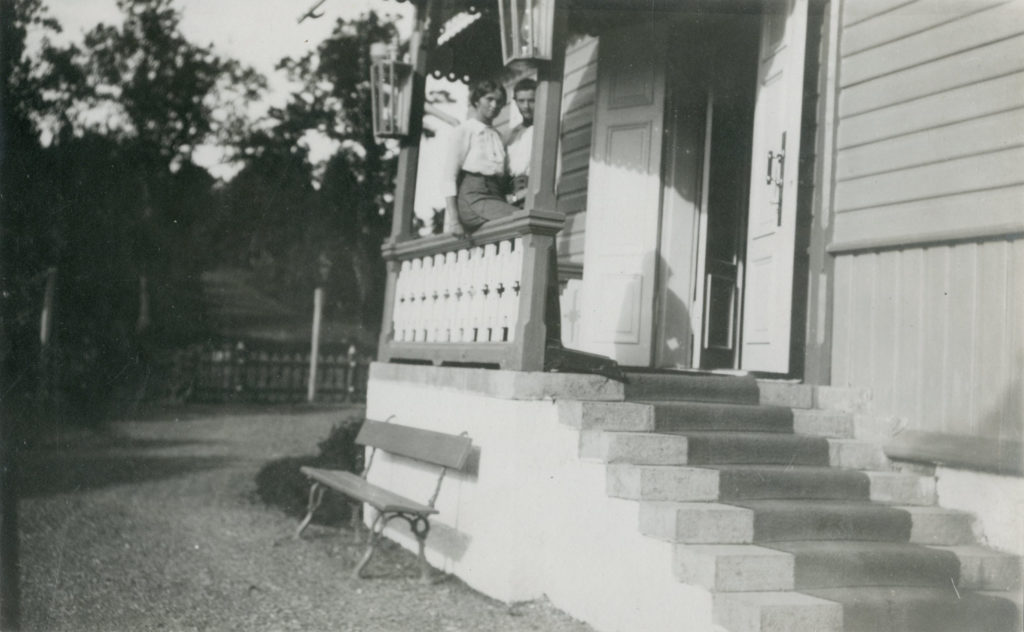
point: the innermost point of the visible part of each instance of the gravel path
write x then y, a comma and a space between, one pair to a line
154, 525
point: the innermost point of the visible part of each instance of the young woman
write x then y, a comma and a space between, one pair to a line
475, 177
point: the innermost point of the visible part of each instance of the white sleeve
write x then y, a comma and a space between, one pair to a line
455, 156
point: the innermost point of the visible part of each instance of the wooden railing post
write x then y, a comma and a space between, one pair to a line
531, 331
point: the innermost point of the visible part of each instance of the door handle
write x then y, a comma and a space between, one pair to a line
775, 176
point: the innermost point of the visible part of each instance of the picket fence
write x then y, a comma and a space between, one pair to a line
257, 371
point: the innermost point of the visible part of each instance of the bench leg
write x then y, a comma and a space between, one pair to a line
316, 494
357, 522
420, 528
376, 530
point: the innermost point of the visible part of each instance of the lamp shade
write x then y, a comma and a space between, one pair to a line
391, 87
526, 29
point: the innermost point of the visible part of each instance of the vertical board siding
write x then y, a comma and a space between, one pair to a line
931, 108
935, 333
574, 150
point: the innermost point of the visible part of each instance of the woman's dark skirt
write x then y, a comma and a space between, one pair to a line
481, 198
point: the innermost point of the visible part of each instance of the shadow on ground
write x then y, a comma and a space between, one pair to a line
280, 484
58, 472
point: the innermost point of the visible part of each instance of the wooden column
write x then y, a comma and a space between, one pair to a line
422, 41
541, 196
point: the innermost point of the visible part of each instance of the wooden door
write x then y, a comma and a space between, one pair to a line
771, 229
624, 195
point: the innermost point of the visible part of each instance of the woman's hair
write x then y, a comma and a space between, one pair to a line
486, 86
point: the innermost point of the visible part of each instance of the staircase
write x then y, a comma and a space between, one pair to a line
794, 524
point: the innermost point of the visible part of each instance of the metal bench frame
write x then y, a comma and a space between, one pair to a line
361, 491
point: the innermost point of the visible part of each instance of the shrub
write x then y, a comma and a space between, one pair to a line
280, 484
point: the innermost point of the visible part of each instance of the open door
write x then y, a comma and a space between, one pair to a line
771, 230
624, 195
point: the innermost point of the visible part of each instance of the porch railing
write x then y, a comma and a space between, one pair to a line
474, 300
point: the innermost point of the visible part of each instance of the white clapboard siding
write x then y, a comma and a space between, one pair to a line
861, 10
931, 123
984, 134
881, 29
962, 31
936, 334
964, 69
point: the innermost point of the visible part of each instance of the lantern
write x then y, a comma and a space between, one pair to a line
526, 29
391, 86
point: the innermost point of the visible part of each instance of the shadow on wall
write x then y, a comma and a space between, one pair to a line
1005, 420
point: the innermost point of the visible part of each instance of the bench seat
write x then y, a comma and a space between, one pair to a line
358, 488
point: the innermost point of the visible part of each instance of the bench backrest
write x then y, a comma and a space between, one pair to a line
438, 448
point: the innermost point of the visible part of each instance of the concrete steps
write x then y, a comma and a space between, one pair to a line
690, 416
777, 499
766, 521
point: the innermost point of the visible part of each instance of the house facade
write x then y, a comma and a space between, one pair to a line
806, 208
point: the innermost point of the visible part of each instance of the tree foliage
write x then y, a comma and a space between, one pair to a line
110, 199
345, 218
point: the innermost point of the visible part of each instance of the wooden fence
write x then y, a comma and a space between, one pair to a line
256, 371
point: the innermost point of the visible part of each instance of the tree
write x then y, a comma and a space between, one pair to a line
341, 211
114, 198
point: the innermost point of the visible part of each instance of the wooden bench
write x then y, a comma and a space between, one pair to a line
449, 452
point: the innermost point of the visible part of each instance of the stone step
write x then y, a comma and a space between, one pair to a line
921, 609
734, 567
692, 416
776, 611
834, 564
766, 521
754, 482
762, 482
982, 568
777, 520
701, 447
691, 386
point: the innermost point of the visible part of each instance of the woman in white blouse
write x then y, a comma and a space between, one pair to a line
475, 177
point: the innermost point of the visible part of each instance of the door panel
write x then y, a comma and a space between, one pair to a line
624, 195
771, 229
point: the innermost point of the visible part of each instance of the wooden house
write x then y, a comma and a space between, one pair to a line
797, 225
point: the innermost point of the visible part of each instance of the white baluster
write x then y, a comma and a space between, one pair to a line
448, 323
514, 283
427, 325
476, 303
505, 278
439, 283
400, 318
463, 273
491, 268
415, 302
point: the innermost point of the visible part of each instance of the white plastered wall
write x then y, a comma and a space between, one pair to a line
533, 520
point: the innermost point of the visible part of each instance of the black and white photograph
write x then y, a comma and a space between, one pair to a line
512, 315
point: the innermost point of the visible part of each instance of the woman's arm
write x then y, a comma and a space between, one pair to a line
458, 149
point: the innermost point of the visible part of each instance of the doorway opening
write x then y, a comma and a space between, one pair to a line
711, 90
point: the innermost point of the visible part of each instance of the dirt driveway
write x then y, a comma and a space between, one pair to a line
154, 525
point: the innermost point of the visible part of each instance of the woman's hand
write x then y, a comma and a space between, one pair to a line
452, 225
